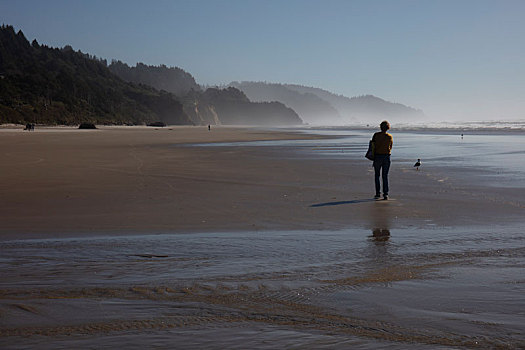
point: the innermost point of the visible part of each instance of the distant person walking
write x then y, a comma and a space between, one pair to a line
382, 147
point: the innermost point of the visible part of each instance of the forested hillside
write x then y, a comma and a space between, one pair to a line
39, 84
171, 79
214, 106
233, 107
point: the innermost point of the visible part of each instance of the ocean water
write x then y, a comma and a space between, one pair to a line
494, 154
405, 288
490, 156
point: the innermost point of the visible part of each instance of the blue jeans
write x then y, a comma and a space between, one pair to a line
381, 161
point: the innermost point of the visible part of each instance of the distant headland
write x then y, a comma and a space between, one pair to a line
61, 86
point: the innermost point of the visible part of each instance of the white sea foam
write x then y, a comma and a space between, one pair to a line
516, 124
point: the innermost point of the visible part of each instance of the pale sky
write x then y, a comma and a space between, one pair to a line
452, 59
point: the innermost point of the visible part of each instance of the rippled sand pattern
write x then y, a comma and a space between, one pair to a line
411, 288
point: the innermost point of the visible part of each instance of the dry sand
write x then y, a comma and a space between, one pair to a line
58, 182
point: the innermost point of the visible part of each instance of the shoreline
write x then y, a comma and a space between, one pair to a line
282, 239
122, 181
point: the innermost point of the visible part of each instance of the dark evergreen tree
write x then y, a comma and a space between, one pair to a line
39, 84
172, 79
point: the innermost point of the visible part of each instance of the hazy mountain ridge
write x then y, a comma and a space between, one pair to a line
366, 106
359, 109
212, 106
40, 84
309, 106
230, 106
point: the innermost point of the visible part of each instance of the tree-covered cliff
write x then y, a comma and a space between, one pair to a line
171, 79
234, 108
40, 84
213, 106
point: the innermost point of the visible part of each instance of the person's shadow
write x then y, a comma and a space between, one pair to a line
327, 204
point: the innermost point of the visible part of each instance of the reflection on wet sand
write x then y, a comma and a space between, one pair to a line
380, 234
324, 284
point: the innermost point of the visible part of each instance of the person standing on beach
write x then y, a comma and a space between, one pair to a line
382, 148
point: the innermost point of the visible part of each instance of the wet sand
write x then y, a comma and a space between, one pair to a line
139, 238
58, 183
354, 288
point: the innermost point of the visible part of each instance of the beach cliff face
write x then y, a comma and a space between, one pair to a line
234, 108
202, 114
231, 107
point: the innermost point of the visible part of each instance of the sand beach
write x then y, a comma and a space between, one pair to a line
58, 182
247, 237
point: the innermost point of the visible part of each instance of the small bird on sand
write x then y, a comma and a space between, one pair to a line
418, 164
